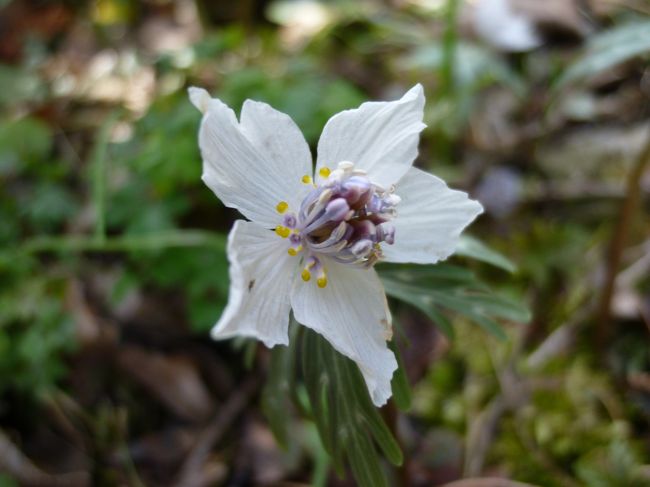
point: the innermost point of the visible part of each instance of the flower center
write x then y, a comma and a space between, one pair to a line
344, 217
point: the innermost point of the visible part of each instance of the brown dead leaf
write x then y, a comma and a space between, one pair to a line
90, 328
565, 16
174, 380
487, 482
16, 464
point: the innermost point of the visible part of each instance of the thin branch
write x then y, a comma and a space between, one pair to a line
16, 464
617, 246
190, 472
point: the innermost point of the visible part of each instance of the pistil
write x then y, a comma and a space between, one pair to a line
345, 217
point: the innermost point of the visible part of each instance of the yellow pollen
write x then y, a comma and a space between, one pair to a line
322, 282
306, 179
324, 172
293, 251
282, 231
306, 275
282, 207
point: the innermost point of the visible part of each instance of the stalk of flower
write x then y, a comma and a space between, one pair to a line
314, 236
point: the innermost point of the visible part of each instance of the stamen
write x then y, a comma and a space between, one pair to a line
344, 218
282, 207
283, 232
293, 251
322, 279
289, 220
361, 248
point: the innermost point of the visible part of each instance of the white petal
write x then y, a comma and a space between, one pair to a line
281, 141
199, 98
378, 137
351, 313
254, 165
261, 275
499, 25
429, 219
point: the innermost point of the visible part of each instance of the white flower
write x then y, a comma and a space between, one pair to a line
314, 237
498, 24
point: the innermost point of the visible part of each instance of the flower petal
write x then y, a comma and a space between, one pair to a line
378, 137
429, 219
261, 275
255, 164
352, 314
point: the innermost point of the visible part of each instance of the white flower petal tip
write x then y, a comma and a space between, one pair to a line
200, 98
380, 388
351, 314
254, 163
431, 217
380, 138
415, 93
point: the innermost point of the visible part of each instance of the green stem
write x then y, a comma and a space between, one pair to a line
127, 243
98, 167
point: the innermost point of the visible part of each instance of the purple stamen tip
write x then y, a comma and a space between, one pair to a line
290, 221
388, 232
338, 209
364, 229
361, 248
294, 238
355, 189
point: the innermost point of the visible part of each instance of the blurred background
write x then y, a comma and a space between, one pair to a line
112, 257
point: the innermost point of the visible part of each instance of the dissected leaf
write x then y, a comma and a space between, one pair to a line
474, 248
347, 421
433, 289
608, 49
400, 384
277, 392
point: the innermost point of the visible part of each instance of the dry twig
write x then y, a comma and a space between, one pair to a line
190, 472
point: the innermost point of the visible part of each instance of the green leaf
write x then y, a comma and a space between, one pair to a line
347, 421
434, 289
276, 393
365, 465
474, 248
24, 143
98, 180
136, 243
420, 299
474, 66
400, 384
502, 307
607, 49
7, 481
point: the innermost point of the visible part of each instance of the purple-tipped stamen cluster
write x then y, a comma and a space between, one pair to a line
344, 217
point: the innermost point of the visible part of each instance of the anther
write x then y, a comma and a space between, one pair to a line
293, 251
306, 179
282, 207
289, 220
283, 232
322, 278
306, 275
324, 172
